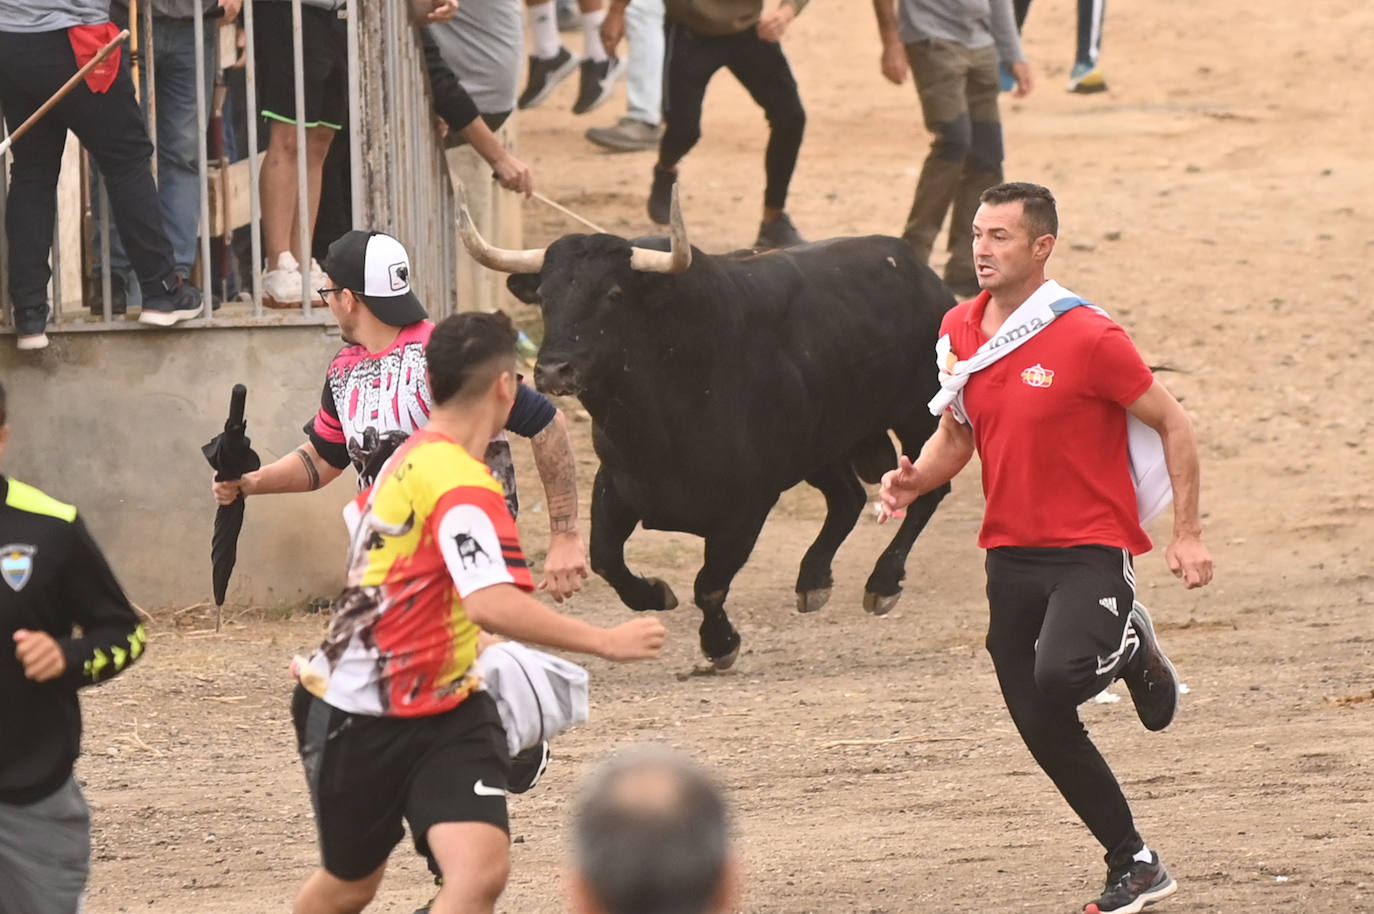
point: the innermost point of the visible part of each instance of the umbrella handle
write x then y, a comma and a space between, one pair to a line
236, 402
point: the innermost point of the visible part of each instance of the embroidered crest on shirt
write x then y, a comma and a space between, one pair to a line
16, 564
1037, 376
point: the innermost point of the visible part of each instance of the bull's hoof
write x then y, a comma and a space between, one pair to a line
811, 601
724, 663
653, 596
719, 642
665, 593
878, 604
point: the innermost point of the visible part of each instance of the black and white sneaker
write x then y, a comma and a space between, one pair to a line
778, 232
545, 75
598, 80
1130, 888
1149, 674
177, 300
528, 766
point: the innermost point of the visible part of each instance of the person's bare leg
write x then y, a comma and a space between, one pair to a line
475, 860
317, 143
277, 189
327, 894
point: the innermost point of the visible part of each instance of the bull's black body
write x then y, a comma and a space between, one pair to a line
713, 391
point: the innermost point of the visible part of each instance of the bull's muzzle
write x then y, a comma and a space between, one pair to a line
555, 377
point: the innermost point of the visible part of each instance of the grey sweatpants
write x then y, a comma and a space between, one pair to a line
45, 853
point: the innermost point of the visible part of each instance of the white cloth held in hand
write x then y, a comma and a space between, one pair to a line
1149, 472
538, 695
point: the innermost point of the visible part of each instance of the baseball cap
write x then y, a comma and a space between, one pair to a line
376, 268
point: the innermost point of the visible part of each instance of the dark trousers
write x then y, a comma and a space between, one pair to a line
110, 125
1090, 16
958, 90
1057, 636
689, 62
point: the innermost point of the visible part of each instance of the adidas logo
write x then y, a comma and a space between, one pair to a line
1109, 604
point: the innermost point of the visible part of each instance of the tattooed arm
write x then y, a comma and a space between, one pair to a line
566, 563
302, 470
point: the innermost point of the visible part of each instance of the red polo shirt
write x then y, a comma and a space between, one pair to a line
1049, 422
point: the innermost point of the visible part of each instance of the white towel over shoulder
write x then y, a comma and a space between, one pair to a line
1149, 473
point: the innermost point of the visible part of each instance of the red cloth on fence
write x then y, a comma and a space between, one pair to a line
87, 40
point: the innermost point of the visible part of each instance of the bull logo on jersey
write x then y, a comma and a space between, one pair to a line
16, 564
1037, 376
470, 551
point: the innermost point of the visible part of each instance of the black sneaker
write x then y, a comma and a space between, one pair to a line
778, 232
1130, 888
661, 195
178, 300
528, 766
598, 80
545, 75
1149, 674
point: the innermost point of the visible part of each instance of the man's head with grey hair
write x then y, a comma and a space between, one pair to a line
651, 836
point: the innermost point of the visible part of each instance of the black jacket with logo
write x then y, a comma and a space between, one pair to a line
53, 579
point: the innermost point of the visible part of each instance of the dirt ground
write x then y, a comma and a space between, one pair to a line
1216, 202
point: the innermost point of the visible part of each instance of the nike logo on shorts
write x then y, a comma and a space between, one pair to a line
482, 790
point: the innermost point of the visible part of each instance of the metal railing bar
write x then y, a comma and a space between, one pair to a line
207, 267
286, 319
302, 176
106, 283
355, 121
254, 163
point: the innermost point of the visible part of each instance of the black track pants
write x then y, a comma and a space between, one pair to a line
1057, 636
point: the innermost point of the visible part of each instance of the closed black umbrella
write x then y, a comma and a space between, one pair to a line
231, 455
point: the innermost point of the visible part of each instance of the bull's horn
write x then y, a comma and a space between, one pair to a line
505, 261
676, 260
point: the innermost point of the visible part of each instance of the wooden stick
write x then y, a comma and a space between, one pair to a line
66, 87
567, 212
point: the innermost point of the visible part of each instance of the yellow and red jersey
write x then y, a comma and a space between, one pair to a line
433, 529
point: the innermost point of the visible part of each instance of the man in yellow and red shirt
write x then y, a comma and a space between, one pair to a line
1061, 527
390, 718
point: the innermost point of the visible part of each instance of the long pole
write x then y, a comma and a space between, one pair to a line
61, 93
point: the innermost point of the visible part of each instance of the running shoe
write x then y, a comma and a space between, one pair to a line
1086, 79
598, 81
1149, 674
1130, 888
545, 75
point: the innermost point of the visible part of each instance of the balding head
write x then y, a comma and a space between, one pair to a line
651, 837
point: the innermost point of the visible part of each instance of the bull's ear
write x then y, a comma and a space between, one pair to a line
524, 286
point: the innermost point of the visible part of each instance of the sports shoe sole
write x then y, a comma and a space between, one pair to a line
168, 318
1138, 611
551, 82
1141, 902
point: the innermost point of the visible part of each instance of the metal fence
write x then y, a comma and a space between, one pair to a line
399, 179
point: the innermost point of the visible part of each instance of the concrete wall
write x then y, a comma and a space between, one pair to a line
114, 422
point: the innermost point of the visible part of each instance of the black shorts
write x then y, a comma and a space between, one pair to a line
367, 773
324, 54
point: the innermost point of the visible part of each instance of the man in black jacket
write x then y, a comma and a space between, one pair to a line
52, 579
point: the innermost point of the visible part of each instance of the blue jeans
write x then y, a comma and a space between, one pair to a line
644, 71
178, 142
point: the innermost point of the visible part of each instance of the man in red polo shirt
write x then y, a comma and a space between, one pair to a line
1049, 421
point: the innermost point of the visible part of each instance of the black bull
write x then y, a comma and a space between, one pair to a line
714, 390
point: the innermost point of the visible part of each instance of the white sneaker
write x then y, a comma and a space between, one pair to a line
281, 286
32, 341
